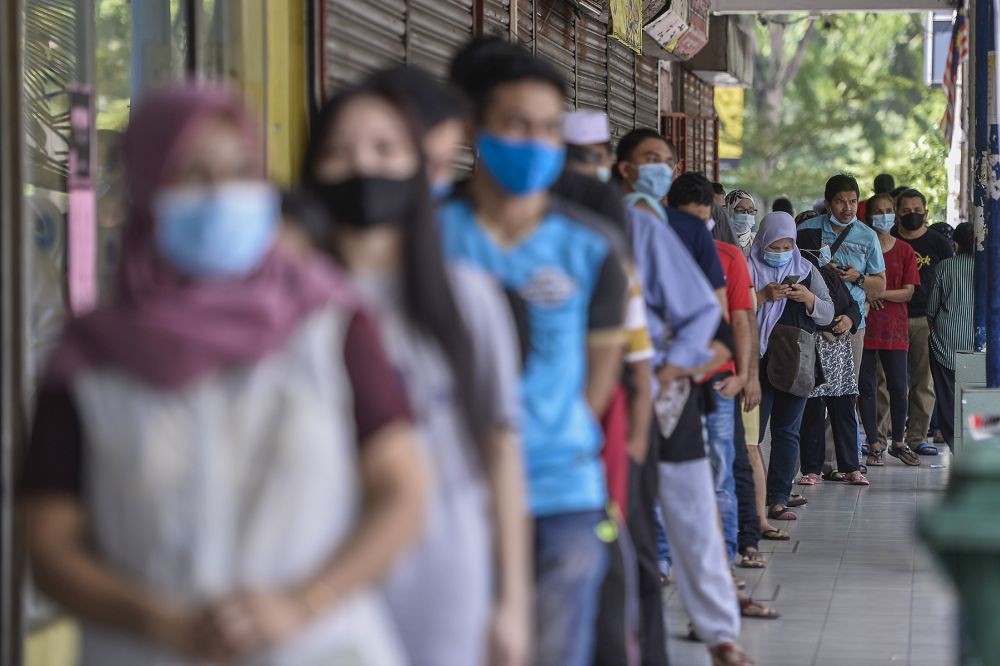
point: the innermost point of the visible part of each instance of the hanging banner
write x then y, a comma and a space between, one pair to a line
81, 218
626, 23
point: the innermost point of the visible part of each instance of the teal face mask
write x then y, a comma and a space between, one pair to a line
654, 180
884, 223
742, 222
777, 259
217, 232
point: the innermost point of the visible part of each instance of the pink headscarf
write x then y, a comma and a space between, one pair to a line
166, 329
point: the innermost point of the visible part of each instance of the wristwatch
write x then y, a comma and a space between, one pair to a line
860, 281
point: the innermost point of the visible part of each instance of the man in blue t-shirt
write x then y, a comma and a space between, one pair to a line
561, 269
859, 259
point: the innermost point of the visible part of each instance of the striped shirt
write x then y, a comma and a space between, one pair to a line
950, 309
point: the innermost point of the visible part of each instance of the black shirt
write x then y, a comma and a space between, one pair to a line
931, 249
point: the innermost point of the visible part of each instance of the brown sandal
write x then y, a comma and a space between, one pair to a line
730, 654
905, 455
751, 608
752, 559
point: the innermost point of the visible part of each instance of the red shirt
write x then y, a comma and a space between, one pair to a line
889, 328
738, 284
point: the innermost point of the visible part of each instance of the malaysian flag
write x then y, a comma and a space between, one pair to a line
958, 52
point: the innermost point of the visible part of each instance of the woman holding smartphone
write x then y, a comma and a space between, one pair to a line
792, 297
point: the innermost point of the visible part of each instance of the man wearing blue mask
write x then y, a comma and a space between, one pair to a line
566, 279
856, 251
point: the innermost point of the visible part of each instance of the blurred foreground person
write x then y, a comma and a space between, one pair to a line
564, 275
449, 333
222, 462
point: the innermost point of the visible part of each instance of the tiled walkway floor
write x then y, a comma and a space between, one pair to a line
853, 586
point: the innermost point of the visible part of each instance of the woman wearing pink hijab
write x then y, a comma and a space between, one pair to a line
222, 461
791, 297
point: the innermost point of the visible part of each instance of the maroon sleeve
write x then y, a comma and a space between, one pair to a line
378, 392
53, 463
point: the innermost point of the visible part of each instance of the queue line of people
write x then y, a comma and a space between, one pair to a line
400, 418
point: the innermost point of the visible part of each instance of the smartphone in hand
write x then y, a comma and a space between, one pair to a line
790, 280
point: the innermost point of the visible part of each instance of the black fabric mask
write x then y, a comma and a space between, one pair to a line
912, 221
364, 202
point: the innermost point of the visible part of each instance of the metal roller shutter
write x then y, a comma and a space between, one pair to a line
359, 37
496, 18
592, 62
555, 40
647, 87
621, 89
436, 29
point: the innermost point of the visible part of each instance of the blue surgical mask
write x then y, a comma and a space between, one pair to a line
836, 220
604, 174
654, 179
520, 167
742, 222
777, 259
442, 190
217, 232
884, 223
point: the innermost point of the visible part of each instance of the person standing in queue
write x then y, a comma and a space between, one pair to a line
449, 334
951, 316
562, 269
792, 302
222, 463
931, 249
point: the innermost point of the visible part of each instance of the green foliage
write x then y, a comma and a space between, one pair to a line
858, 105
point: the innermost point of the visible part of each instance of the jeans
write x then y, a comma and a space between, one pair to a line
720, 429
784, 411
895, 367
570, 564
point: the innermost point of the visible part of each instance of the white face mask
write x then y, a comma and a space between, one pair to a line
711, 223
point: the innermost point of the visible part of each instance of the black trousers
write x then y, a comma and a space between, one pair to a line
944, 388
896, 366
812, 434
644, 491
746, 491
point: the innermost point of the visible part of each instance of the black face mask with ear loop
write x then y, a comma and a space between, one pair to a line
365, 202
912, 221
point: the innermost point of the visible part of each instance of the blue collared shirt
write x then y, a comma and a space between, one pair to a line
861, 250
682, 309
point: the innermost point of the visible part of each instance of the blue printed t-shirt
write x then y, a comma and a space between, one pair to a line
861, 249
567, 281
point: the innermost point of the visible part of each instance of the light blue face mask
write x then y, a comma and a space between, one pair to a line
217, 232
822, 255
777, 259
521, 167
654, 179
884, 223
742, 222
836, 220
604, 174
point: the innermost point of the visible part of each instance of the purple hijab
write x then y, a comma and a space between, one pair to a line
168, 330
774, 227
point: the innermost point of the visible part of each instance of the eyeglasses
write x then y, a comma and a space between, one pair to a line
745, 211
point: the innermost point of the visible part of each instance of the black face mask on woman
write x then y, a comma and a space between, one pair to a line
912, 221
367, 201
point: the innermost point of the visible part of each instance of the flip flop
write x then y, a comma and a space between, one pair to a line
834, 475
857, 479
752, 559
797, 500
776, 535
809, 479
904, 454
781, 513
750, 608
926, 449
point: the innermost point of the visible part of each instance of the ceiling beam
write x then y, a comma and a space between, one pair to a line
827, 6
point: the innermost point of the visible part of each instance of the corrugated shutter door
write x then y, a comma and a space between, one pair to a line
496, 18
437, 29
360, 36
647, 87
592, 63
621, 89
555, 40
